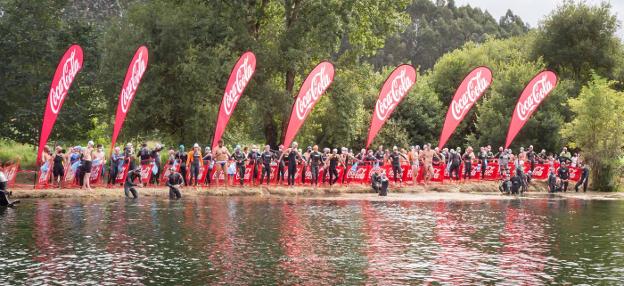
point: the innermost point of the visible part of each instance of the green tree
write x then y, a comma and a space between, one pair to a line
577, 38
598, 130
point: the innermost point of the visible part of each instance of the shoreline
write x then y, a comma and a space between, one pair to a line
467, 191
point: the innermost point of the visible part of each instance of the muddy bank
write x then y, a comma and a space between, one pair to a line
468, 191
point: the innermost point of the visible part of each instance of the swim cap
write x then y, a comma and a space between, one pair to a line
195, 145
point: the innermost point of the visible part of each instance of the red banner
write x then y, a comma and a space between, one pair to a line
310, 93
396, 87
70, 177
146, 173
135, 73
10, 171
239, 78
122, 173
96, 173
534, 93
467, 94
66, 72
43, 177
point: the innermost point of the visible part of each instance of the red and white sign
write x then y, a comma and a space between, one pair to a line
96, 173
135, 73
66, 72
534, 93
396, 87
10, 172
240, 76
122, 173
146, 173
467, 94
311, 91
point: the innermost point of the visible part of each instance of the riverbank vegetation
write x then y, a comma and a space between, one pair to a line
193, 45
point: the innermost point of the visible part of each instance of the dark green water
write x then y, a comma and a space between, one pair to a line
205, 240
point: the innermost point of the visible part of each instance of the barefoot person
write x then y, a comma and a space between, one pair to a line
414, 161
58, 169
194, 162
221, 156
395, 161
87, 163
427, 156
314, 161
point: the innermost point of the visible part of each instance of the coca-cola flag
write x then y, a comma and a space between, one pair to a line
534, 93
135, 72
66, 72
467, 94
393, 91
311, 90
239, 78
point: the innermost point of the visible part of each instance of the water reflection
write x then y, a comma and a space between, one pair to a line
236, 241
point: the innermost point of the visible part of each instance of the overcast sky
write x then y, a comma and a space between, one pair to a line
532, 11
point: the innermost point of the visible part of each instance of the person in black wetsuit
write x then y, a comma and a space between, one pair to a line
266, 158
564, 175
314, 161
455, 162
58, 171
4, 194
115, 162
293, 158
395, 160
531, 157
254, 160
584, 178
181, 158
208, 163
174, 182
194, 162
324, 156
334, 160
144, 154
516, 184
380, 156
281, 164
552, 182
155, 158
129, 185
240, 159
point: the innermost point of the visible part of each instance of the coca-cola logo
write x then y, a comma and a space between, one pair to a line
233, 92
539, 90
399, 87
128, 91
474, 88
538, 171
573, 173
357, 174
95, 172
145, 172
122, 173
318, 84
10, 173
57, 94
490, 170
436, 173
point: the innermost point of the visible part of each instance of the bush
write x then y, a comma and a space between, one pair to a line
24, 153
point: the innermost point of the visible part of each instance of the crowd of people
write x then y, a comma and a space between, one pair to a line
322, 164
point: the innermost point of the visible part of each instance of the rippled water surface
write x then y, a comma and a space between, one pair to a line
205, 240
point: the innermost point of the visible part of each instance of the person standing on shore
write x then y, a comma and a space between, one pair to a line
58, 169
174, 182
565, 155
182, 158
281, 164
333, 161
455, 163
157, 169
99, 158
266, 158
194, 162
240, 159
564, 176
584, 180
395, 161
254, 161
115, 165
414, 160
87, 159
468, 157
427, 157
209, 164
531, 157
293, 157
221, 156
314, 161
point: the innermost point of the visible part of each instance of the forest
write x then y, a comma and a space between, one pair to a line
194, 44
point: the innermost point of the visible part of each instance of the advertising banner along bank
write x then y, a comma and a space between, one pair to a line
240, 76
66, 72
311, 90
469, 91
534, 93
392, 93
135, 72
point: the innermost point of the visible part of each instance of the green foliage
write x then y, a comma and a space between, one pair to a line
15, 152
577, 38
597, 128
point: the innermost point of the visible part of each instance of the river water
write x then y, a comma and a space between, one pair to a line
233, 241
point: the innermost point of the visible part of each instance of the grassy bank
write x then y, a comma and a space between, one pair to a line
24, 153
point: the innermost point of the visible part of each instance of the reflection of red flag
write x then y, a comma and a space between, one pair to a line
310, 93
467, 94
66, 72
393, 91
534, 93
135, 72
240, 76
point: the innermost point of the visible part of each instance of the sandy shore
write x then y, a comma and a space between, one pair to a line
468, 191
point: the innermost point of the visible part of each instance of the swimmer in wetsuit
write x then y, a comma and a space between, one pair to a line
4, 194
174, 182
266, 157
181, 158
129, 185
315, 159
58, 169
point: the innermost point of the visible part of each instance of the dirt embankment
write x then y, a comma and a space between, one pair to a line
304, 191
